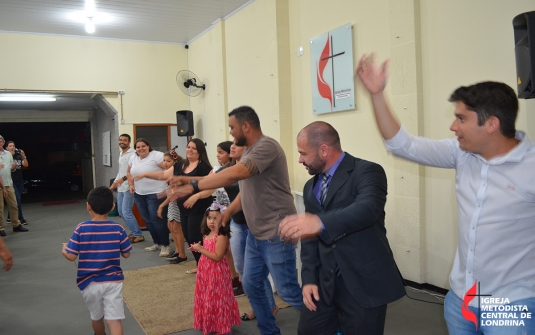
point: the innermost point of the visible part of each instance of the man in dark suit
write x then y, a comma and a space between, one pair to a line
349, 274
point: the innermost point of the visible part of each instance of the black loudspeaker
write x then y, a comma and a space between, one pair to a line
524, 29
184, 123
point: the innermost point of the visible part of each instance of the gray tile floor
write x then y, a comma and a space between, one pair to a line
39, 295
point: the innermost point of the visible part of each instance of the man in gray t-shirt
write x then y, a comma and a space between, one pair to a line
265, 199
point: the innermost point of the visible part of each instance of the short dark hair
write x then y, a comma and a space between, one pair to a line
490, 98
223, 230
8, 143
126, 135
141, 139
246, 114
319, 133
100, 199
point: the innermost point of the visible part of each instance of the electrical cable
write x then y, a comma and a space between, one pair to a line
437, 296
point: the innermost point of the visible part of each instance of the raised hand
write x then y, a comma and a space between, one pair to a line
372, 75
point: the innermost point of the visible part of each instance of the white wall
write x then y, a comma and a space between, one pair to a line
463, 42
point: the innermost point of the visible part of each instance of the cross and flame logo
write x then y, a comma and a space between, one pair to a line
467, 313
324, 89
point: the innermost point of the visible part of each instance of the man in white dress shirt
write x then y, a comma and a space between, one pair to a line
495, 185
125, 199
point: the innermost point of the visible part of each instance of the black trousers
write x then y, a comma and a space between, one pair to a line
344, 314
191, 227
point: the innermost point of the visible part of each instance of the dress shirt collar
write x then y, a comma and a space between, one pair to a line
515, 155
127, 151
335, 166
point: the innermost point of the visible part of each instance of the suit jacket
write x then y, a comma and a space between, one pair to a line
354, 239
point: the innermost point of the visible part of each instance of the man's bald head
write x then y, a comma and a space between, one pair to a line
318, 133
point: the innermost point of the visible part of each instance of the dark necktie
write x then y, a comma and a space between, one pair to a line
324, 187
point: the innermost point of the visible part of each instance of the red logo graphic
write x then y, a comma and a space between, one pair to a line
323, 87
469, 296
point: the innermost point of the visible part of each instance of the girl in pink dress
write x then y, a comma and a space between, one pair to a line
214, 307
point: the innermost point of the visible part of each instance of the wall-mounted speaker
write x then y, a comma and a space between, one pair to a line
524, 30
184, 123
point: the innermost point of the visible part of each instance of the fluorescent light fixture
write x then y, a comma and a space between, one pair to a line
27, 98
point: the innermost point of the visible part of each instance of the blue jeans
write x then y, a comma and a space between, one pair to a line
238, 239
487, 323
148, 207
125, 202
18, 186
278, 259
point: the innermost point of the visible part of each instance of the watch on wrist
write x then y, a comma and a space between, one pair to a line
195, 184
124, 178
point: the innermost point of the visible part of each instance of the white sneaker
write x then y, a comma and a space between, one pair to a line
153, 247
165, 251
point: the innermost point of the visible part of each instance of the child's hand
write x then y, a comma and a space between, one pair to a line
195, 247
139, 176
159, 212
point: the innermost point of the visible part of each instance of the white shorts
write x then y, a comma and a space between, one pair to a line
104, 300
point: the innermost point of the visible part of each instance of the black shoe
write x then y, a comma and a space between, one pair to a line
2, 233
178, 260
23, 222
238, 291
236, 282
172, 256
19, 229
8, 220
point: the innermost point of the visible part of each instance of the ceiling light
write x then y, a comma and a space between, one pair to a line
90, 8
90, 17
89, 25
27, 98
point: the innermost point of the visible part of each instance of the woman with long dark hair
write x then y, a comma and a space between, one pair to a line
196, 164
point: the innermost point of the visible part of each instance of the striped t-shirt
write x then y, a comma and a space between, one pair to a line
99, 245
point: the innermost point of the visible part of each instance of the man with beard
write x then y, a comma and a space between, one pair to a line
348, 270
265, 199
495, 189
125, 199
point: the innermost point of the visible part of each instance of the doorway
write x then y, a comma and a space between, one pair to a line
59, 157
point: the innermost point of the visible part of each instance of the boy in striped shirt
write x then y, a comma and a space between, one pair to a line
99, 244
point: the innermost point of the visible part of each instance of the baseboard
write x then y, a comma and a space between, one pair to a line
425, 286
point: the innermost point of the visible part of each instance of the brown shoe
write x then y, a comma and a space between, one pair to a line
137, 239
